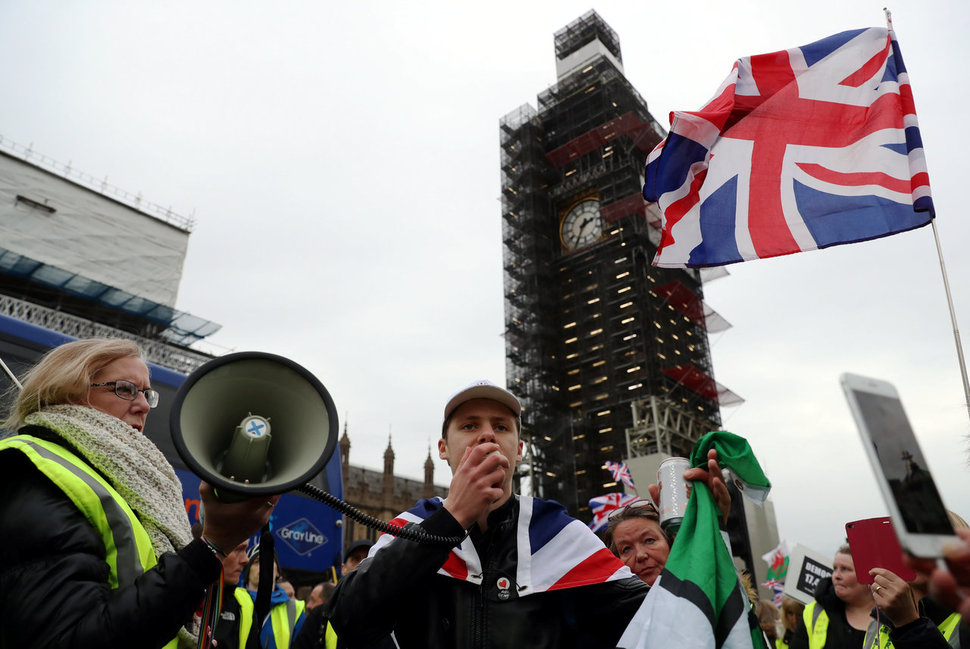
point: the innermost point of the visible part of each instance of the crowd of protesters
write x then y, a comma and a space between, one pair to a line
98, 551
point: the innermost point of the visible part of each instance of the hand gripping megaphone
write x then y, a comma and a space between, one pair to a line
256, 424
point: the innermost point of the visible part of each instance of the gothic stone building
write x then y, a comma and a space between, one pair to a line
381, 494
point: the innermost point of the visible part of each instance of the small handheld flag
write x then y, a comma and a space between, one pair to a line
603, 506
621, 473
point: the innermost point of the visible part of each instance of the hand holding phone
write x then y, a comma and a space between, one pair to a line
894, 597
918, 515
874, 544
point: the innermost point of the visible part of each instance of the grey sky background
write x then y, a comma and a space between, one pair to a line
342, 162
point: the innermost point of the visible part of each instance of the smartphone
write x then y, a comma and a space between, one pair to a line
874, 544
918, 515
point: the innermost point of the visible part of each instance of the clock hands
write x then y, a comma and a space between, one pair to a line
581, 225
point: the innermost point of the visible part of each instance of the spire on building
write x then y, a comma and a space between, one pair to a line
345, 446
389, 456
429, 475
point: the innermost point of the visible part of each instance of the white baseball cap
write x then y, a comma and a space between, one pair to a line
483, 389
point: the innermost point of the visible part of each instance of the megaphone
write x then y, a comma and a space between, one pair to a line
253, 424
256, 424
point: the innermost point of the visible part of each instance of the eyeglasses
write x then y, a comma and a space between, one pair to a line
646, 505
129, 391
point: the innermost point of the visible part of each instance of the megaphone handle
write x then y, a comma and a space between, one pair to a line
414, 533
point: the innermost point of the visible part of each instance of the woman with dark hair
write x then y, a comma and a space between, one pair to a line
633, 534
96, 545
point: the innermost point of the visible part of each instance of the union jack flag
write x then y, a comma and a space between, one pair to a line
800, 149
554, 550
777, 589
621, 473
603, 506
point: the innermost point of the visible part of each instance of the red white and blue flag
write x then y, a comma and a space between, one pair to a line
621, 473
603, 506
554, 550
798, 150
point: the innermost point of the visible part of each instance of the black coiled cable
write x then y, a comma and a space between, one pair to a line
415, 533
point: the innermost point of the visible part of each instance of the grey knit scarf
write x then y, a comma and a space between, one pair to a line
132, 464
135, 468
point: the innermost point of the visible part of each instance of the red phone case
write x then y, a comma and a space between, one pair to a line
874, 544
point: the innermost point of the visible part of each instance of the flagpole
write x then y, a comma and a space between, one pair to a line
946, 284
953, 318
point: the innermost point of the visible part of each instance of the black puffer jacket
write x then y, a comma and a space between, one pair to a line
54, 579
398, 589
840, 634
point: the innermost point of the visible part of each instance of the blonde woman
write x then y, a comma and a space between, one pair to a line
839, 616
791, 613
96, 545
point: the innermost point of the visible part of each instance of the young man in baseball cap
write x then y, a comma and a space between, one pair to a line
526, 573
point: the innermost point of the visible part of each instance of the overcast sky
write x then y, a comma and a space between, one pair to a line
342, 162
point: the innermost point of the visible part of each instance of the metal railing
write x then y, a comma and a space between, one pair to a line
174, 358
165, 214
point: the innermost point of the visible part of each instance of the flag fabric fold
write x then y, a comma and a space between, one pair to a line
554, 550
698, 601
603, 506
798, 150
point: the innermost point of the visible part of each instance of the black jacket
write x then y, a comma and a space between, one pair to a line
840, 634
54, 579
230, 617
399, 590
923, 633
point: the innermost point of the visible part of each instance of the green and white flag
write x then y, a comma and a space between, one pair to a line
698, 601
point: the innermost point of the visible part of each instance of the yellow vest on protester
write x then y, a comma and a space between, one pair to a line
283, 619
245, 615
881, 639
816, 625
331, 637
128, 549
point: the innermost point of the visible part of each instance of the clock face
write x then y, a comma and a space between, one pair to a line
582, 226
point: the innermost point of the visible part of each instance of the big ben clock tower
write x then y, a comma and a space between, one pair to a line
608, 354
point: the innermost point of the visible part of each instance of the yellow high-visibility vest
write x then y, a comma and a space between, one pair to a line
245, 614
881, 639
283, 619
816, 624
331, 637
128, 548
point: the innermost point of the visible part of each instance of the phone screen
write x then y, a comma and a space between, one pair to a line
903, 465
